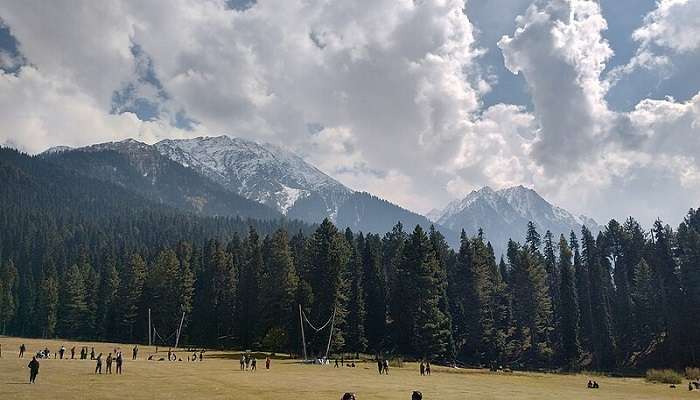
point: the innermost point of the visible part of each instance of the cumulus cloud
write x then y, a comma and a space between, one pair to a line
385, 95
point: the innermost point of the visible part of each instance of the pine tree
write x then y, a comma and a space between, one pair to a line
568, 308
532, 309
327, 257
47, 300
583, 295
644, 304
8, 294
430, 327
602, 339
280, 284
109, 285
689, 256
398, 319
464, 301
374, 285
130, 295
444, 257
248, 301
355, 340
74, 308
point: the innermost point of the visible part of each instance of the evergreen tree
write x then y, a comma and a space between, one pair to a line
74, 309
248, 301
689, 256
374, 285
568, 308
602, 339
532, 311
430, 327
47, 300
109, 285
355, 340
281, 284
327, 256
8, 294
644, 303
583, 295
130, 295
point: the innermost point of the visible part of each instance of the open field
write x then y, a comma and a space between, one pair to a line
219, 377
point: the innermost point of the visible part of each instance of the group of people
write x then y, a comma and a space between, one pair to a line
424, 368
593, 384
416, 395
351, 364
249, 361
117, 359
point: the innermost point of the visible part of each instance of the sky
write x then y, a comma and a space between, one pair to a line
594, 104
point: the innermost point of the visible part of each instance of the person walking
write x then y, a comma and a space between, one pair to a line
253, 364
109, 364
386, 367
33, 370
98, 366
22, 349
120, 360
380, 366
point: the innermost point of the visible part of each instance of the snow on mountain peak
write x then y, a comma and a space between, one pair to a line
265, 173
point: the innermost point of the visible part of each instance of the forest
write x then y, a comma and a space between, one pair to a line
86, 261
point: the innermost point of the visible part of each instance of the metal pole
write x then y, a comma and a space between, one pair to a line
179, 330
330, 335
150, 336
303, 339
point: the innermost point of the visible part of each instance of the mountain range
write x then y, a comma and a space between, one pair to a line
236, 177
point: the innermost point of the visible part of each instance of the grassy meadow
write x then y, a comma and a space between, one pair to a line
219, 377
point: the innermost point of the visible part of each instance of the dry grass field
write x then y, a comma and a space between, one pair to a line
219, 377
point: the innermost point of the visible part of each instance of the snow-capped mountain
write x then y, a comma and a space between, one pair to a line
142, 169
504, 215
265, 173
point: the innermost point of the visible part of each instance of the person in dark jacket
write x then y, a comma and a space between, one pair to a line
33, 370
22, 349
120, 360
417, 395
109, 364
98, 366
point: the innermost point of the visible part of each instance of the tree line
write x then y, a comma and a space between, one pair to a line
625, 298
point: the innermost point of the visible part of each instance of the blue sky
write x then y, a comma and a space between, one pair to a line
592, 103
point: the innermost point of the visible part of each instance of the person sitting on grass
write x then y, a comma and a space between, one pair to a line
416, 395
595, 385
349, 396
590, 384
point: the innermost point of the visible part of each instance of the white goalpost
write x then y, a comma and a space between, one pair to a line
304, 319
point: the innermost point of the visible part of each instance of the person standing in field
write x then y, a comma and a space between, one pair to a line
422, 368
109, 364
427, 368
242, 362
92, 354
98, 366
253, 364
134, 352
22, 348
33, 370
72, 352
62, 351
267, 363
380, 366
201, 355
386, 366
120, 360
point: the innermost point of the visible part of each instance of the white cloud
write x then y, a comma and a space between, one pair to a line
674, 24
393, 86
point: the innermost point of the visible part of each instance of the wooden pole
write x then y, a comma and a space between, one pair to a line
330, 335
303, 339
150, 336
179, 330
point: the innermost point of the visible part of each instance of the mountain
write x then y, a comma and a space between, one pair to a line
265, 173
504, 215
141, 168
